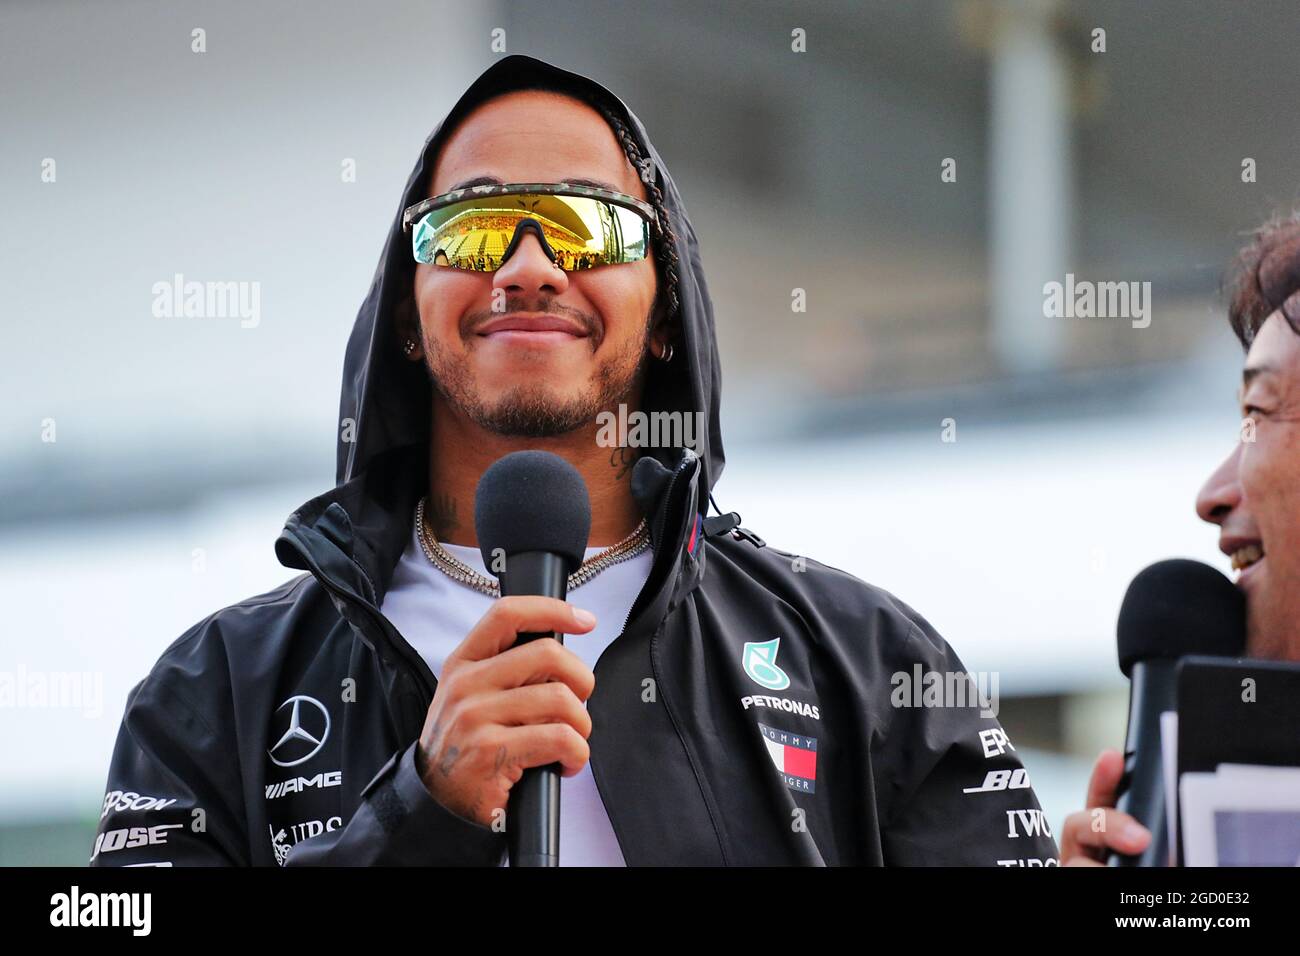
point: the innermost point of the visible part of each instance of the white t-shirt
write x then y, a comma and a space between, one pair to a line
434, 613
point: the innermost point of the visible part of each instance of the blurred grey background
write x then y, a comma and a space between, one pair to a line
148, 463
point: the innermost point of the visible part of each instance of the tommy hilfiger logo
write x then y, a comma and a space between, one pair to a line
759, 661
795, 757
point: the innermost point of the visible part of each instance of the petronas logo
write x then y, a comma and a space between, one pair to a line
759, 661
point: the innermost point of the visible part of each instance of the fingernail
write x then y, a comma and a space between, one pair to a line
1134, 833
585, 618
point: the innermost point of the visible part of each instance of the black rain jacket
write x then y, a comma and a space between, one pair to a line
755, 710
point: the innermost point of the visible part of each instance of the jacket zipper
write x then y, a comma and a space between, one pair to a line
405, 652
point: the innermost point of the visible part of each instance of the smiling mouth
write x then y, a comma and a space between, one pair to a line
544, 326
1245, 556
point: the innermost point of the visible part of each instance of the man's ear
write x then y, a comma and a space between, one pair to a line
410, 339
660, 338
664, 330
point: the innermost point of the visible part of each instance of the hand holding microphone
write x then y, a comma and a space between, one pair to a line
1099, 829
513, 717
502, 707
1171, 609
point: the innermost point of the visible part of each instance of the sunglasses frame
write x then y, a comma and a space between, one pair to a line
413, 213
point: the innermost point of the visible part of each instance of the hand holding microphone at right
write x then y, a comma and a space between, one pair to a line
501, 708
1172, 609
1090, 834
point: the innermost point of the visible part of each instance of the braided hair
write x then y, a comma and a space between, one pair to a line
664, 239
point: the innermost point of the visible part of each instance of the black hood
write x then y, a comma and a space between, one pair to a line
386, 400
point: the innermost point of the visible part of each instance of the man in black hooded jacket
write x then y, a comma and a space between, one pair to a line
753, 708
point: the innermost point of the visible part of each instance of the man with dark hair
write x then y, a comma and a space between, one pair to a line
1253, 497
716, 701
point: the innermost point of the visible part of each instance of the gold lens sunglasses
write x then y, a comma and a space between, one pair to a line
579, 227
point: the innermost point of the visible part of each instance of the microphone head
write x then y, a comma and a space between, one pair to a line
1179, 607
532, 501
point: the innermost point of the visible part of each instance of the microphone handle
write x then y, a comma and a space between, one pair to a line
533, 811
1141, 791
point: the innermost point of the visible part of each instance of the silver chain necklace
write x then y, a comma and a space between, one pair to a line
459, 571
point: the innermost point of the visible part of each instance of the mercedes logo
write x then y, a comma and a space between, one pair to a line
307, 733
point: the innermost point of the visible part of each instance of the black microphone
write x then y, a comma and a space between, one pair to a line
1172, 609
533, 517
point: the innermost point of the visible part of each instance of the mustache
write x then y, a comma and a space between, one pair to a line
471, 322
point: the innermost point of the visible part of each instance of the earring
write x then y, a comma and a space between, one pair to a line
409, 347
667, 354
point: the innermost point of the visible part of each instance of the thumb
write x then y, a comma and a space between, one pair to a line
1106, 774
